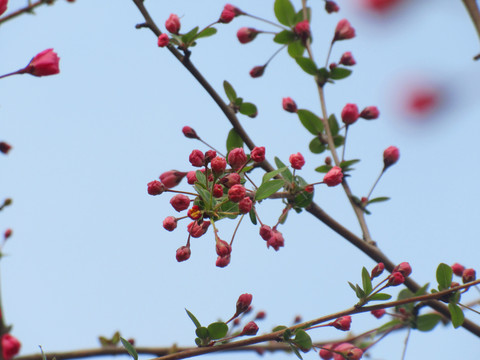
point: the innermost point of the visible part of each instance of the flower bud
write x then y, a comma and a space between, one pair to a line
245, 205
233, 9
333, 177
344, 31
170, 223
265, 232
377, 270
5, 147
250, 329
10, 346
342, 323
370, 113
217, 191
243, 303
289, 105
237, 158
223, 248
155, 187
390, 156
196, 158
245, 35
468, 275
347, 351
191, 177
350, 114
258, 154
163, 40
194, 212
347, 59
209, 155
276, 240
226, 16
172, 178
222, 261
230, 180
197, 230
173, 24
302, 29
236, 193
43, 64
297, 161
257, 71
331, 7
260, 315
3, 6
218, 165
378, 313
458, 269
189, 132
395, 278
7, 234
180, 202
325, 352
404, 268
183, 253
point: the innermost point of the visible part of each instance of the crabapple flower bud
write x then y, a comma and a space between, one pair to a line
245, 35
377, 270
170, 223
230, 180
155, 187
236, 193
223, 248
276, 240
197, 230
163, 40
10, 346
331, 6
468, 275
194, 212
289, 105
209, 155
404, 268
258, 154
333, 177
245, 205
342, 323
297, 161
218, 165
347, 351
325, 352
265, 232
7, 234
458, 269
3, 6
217, 191
250, 329
243, 303
378, 313
173, 24
237, 158
5, 147
332, 66
233, 9
172, 178
260, 315
180, 202
395, 278
196, 158
226, 16
347, 59
191, 177
344, 31
257, 71
350, 114
390, 156
370, 113
189, 132
43, 64
222, 261
183, 253
302, 29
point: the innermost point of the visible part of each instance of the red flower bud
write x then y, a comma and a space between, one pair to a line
377, 270
230, 180
7, 234
172, 178
10, 346
390, 156
342, 323
243, 303
332, 66
257, 71
3, 6
180, 202
226, 16
183, 253
237, 158
192, 177
347, 59
258, 154
396, 278
218, 165
297, 161
343, 31
43, 64
245, 35
260, 315
196, 158
333, 177
347, 351
276, 240
173, 24
297, 320
222, 261
209, 155
155, 187
223, 248
265, 232
350, 114
380, 6
325, 352
4, 147
236, 193
217, 191
194, 212
250, 329
189, 132
170, 223
331, 7
309, 188
404, 268
233, 9
197, 230
302, 29
289, 105
468, 275
458, 269
245, 205
370, 113
378, 313
163, 40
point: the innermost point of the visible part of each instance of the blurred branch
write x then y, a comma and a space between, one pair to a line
25, 10
474, 12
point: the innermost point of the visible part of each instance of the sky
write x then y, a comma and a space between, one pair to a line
89, 256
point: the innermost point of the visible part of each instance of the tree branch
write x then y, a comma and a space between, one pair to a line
27, 9
474, 12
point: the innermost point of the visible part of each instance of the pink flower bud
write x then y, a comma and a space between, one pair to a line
260, 315
258, 154
370, 113
297, 319
155, 187
226, 16
245, 35
332, 66
223, 248
404, 268
222, 261
196, 158
347, 351
378, 313
170, 223
347, 59
209, 155
243, 303
333, 177
173, 24
390, 156
172, 178
189, 132
183, 253
276, 240
395, 278
218, 165
3, 6
380, 6
230, 180
468, 275
10, 346
265, 232
377, 270
331, 7
7, 234
342, 323
250, 329
245, 205
236, 193
43, 64
237, 158
163, 40
194, 212
350, 114
233, 9
458, 269
197, 230
302, 29
325, 352
297, 161
289, 105
191, 177
257, 71
217, 191
180, 202
344, 31
5, 147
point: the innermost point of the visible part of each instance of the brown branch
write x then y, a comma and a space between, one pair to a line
474, 12
27, 9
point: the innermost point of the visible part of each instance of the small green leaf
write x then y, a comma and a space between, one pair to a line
296, 49
333, 124
347, 163
202, 332
284, 37
268, 188
359, 291
284, 12
338, 140
366, 282
287, 174
339, 73
206, 33
200, 177
248, 109
456, 314
427, 322
193, 318
271, 174
296, 352
316, 146
130, 349
188, 37
378, 199
299, 15
229, 91
354, 288
234, 140
205, 195
302, 340
253, 217
231, 208
218, 330
198, 341
307, 65
310, 121
278, 328
444, 276
304, 198
323, 168
238, 101
116, 338
380, 297
388, 325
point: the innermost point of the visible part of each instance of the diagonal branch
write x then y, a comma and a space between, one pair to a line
474, 12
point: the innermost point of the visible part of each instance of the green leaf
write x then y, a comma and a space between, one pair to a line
229, 207
304, 198
316, 146
359, 291
284, 37
238, 101
278, 328
272, 174
130, 349
218, 330
388, 325
422, 290
333, 124
378, 199
354, 288
193, 318
206, 33
338, 140
347, 163
456, 314
323, 168
234, 140
444, 276
307, 65
284, 12
296, 352
296, 49
188, 37
299, 15
427, 322
198, 341
248, 109
268, 188
310, 121
116, 338
202, 332
366, 282
253, 217
229, 91
302, 340
205, 195
380, 297
339, 73
287, 174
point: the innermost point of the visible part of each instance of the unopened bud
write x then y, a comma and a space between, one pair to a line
468, 275
243, 303
342, 323
189, 132
155, 187
250, 329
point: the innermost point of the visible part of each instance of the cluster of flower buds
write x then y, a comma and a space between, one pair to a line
340, 351
467, 275
399, 274
350, 113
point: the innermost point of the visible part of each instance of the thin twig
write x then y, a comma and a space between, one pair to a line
474, 12
25, 10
